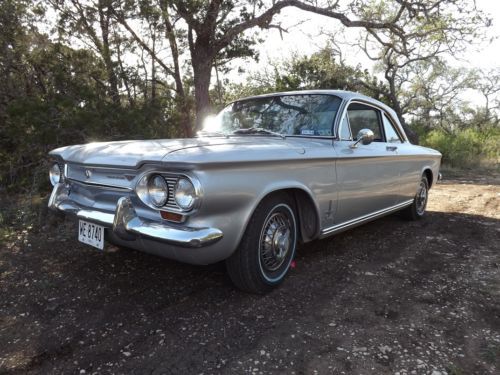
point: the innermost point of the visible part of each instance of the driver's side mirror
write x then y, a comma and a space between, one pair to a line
365, 136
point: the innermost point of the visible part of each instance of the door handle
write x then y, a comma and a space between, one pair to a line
391, 148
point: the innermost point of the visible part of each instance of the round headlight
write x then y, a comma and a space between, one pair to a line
157, 190
55, 174
185, 193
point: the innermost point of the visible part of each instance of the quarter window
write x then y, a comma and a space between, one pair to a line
345, 133
362, 116
390, 133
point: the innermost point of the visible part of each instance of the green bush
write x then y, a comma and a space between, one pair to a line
467, 148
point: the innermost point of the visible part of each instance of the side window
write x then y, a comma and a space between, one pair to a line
390, 133
364, 117
345, 133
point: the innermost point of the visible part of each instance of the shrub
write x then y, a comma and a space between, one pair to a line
467, 148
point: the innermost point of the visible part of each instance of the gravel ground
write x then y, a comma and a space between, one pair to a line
390, 297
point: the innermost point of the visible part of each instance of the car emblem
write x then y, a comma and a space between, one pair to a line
88, 173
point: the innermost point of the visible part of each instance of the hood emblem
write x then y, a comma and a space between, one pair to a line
88, 173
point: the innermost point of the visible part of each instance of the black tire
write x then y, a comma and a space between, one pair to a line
267, 247
417, 209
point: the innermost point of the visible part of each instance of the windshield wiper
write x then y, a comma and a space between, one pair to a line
204, 133
258, 131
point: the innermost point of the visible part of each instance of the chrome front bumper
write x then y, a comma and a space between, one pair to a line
126, 225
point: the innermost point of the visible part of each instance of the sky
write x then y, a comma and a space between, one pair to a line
307, 37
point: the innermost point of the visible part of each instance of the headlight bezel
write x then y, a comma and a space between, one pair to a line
56, 173
188, 188
157, 181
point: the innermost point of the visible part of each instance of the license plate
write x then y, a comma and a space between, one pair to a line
91, 234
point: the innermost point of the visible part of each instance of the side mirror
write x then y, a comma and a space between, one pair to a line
365, 136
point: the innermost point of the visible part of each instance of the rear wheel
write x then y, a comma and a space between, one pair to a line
417, 209
267, 248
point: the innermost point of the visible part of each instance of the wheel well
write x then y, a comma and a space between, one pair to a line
307, 213
428, 175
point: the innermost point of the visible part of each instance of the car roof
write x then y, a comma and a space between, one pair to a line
344, 94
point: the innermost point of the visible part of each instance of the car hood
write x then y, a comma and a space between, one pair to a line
133, 154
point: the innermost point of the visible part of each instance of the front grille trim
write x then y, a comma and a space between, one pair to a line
75, 173
171, 180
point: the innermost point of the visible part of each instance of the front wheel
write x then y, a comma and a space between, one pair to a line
417, 209
267, 248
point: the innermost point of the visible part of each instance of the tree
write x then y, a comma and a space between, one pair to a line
488, 85
93, 21
216, 30
216, 26
435, 95
432, 29
157, 14
322, 70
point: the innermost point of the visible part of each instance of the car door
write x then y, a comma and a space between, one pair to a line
367, 175
406, 163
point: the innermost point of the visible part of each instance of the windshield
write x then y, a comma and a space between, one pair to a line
309, 115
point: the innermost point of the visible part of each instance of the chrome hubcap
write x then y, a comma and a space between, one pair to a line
276, 241
421, 198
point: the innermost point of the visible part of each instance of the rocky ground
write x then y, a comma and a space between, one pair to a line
391, 297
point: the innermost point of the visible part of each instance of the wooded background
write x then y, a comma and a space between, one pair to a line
76, 71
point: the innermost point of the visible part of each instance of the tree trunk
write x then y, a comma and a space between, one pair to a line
183, 103
202, 70
412, 136
123, 75
104, 21
153, 70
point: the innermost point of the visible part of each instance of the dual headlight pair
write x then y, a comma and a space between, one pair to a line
153, 190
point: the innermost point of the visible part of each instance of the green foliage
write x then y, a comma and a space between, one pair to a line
56, 95
321, 70
466, 148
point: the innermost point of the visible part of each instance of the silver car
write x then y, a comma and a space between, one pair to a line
264, 174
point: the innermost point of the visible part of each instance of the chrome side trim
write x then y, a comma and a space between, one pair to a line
363, 219
125, 223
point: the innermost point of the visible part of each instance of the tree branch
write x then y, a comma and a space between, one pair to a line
143, 44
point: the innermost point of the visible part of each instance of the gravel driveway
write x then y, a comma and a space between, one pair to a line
389, 297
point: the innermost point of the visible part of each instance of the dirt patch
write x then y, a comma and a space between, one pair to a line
389, 297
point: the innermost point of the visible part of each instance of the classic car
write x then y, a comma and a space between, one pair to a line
264, 174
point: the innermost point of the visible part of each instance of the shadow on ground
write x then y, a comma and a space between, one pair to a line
389, 296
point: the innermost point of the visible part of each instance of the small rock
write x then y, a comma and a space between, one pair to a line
385, 349
360, 349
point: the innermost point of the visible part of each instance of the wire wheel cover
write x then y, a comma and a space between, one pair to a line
421, 198
276, 240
